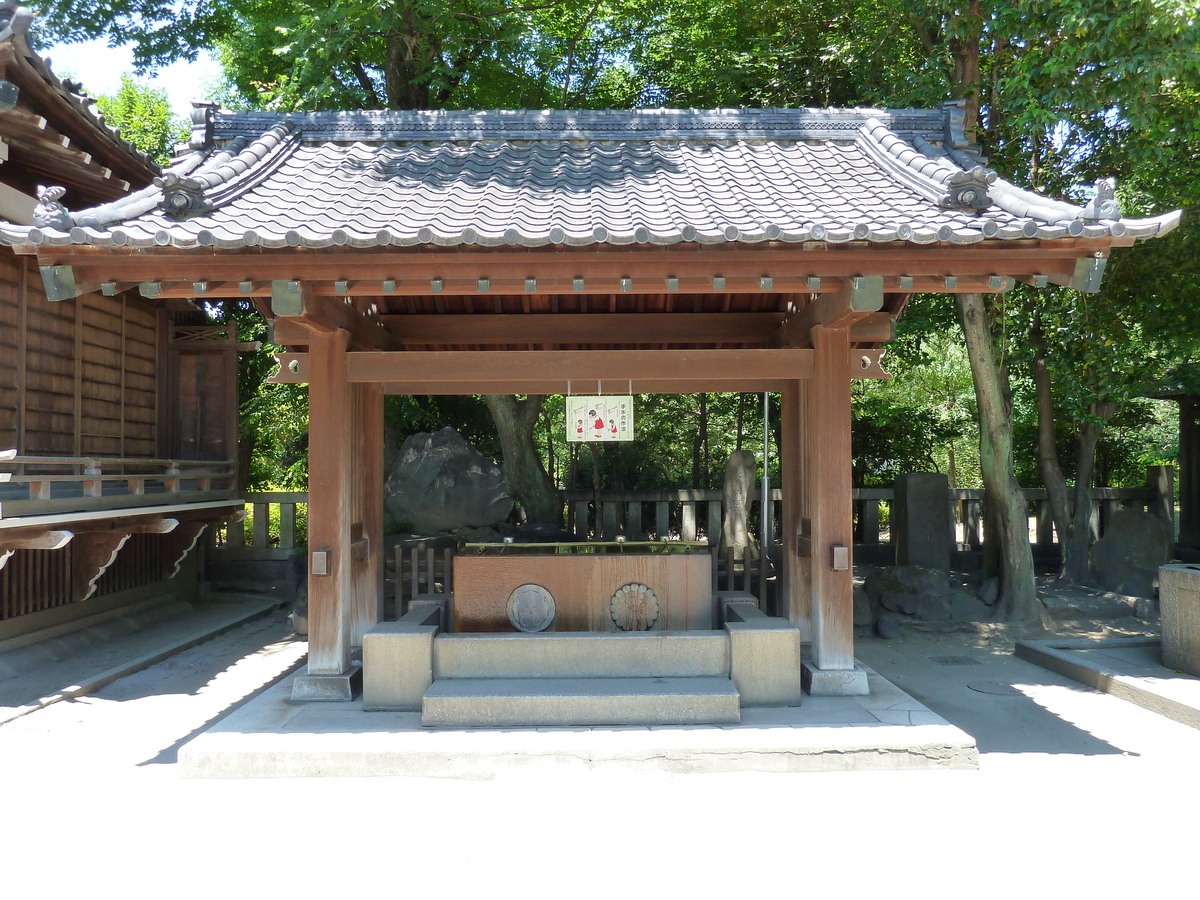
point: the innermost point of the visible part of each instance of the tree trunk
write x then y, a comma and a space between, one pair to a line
1048, 463
402, 75
1018, 599
1076, 564
523, 470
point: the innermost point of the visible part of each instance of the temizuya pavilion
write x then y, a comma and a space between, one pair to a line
514, 252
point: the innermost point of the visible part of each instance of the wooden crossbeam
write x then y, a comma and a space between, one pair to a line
411, 272
295, 300
565, 328
582, 367
857, 298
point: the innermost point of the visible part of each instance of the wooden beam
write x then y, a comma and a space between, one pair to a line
295, 300
47, 539
876, 328
584, 328
564, 328
584, 367
563, 386
857, 298
599, 270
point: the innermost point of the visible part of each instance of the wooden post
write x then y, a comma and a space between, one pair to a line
331, 437
829, 489
794, 601
367, 481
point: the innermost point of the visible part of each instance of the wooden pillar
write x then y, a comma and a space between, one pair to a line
795, 601
829, 500
367, 517
331, 440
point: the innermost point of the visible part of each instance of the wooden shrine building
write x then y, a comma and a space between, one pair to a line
522, 252
117, 411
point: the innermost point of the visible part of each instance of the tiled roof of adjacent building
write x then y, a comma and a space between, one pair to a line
497, 178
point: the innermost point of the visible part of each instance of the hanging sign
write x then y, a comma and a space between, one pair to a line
599, 418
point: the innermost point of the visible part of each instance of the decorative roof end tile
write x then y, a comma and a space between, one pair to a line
1104, 205
968, 190
202, 125
50, 212
182, 196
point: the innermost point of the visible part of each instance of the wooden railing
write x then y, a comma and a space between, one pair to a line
640, 515
45, 485
274, 520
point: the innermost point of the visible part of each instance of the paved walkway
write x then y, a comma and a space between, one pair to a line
1078, 793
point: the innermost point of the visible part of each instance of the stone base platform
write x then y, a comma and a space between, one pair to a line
271, 737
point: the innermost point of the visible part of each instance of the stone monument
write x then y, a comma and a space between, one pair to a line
740, 470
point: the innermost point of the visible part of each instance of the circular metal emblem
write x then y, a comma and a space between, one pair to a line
531, 608
634, 607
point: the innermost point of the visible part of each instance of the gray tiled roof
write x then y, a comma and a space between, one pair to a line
617, 177
15, 21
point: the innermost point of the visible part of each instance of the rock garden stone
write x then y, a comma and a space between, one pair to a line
912, 591
439, 482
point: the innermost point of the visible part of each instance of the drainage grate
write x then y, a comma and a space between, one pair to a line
956, 661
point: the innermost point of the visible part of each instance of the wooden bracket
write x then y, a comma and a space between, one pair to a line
293, 369
296, 300
35, 539
868, 364
182, 540
858, 297
94, 553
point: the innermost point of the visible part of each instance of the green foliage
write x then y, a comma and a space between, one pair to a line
144, 117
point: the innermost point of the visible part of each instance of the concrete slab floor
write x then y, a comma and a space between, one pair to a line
93, 794
272, 737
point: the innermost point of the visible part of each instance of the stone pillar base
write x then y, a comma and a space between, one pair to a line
834, 682
346, 686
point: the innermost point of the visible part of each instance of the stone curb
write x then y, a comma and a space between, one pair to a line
1055, 656
108, 676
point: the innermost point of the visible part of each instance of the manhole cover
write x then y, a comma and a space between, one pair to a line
995, 687
956, 661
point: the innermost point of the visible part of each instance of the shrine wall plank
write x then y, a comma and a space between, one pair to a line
77, 377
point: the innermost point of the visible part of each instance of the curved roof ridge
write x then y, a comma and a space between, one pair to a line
933, 177
223, 173
137, 203
1021, 202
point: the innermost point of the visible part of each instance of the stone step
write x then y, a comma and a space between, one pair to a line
467, 702
580, 654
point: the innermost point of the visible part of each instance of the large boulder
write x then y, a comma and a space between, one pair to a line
439, 482
1127, 558
912, 591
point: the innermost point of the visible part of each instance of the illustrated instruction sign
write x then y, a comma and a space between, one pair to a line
599, 418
